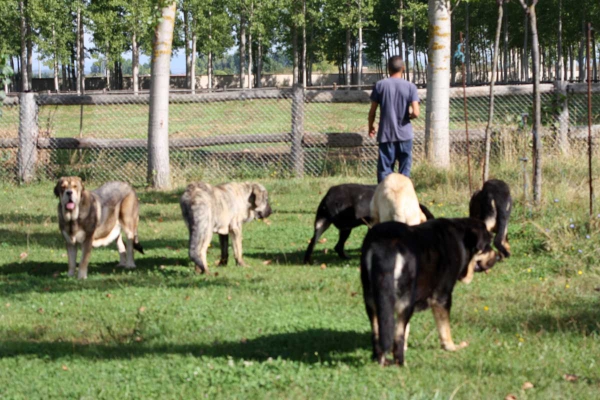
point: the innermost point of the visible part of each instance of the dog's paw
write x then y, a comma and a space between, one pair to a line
453, 347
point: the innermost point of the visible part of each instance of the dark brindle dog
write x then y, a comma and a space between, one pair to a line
96, 218
410, 268
345, 206
492, 205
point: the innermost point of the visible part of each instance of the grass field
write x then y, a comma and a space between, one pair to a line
279, 329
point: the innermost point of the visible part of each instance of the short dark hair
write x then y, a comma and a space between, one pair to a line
395, 64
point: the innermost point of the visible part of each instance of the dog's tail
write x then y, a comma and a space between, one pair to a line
137, 245
382, 278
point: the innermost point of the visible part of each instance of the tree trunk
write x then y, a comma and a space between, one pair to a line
505, 55
360, 44
437, 136
242, 49
295, 55
209, 69
303, 67
581, 47
79, 51
525, 51
55, 62
468, 47
414, 49
559, 48
348, 61
193, 62
400, 26
259, 63
595, 66
488, 136
158, 123
186, 41
135, 62
571, 63
29, 54
24, 75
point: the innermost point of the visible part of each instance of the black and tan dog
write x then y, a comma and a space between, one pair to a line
410, 268
96, 218
221, 209
492, 205
346, 206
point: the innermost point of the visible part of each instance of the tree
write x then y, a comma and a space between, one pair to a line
437, 119
486, 160
158, 123
537, 107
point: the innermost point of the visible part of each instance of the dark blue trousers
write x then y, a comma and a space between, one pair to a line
391, 152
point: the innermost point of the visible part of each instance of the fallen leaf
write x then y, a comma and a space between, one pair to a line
267, 222
571, 377
108, 295
510, 397
266, 262
138, 339
142, 309
162, 267
324, 240
40, 310
323, 266
65, 368
527, 385
23, 256
308, 241
187, 298
169, 248
47, 289
7, 305
353, 294
56, 274
292, 244
228, 297
63, 255
325, 251
244, 340
216, 274
160, 219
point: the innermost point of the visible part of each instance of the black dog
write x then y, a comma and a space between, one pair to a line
346, 207
492, 205
410, 268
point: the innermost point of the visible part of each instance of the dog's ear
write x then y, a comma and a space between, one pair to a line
256, 196
57, 187
477, 238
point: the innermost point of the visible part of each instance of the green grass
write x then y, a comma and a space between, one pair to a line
282, 330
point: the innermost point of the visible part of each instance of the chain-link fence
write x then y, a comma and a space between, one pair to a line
259, 133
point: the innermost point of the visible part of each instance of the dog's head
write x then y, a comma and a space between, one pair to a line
259, 201
68, 190
478, 244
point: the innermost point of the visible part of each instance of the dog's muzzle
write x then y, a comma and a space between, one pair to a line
487, 263
264, 214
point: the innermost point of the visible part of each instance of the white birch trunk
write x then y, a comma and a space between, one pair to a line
259, 64
348, 59
193, 62
437, 134
78, 53
24, 75
135, 61
360, 45
560, 63
158, 123
242, 49
55, 63
304, 44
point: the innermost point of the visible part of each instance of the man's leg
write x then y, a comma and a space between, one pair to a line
405, 157
386, 160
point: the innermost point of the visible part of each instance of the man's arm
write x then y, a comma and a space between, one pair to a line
372, 114
416, 110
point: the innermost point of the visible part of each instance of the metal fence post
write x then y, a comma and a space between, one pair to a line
28, 135
562, 116
297, 151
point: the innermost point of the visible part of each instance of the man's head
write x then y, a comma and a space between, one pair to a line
395, 65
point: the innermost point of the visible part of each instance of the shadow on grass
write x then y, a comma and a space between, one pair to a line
20, 238
576, 316
296, 257
158, 197
312, 346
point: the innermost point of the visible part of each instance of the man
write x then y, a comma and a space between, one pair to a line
399, 103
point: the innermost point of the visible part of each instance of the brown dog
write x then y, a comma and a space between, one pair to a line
221, 209
95, 218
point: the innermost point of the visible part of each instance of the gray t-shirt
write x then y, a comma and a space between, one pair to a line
394, 95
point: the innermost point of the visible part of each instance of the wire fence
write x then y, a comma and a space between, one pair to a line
260, 133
